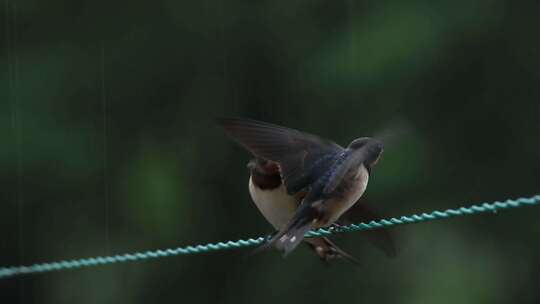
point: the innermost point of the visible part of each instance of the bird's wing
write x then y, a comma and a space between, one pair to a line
364, 211
344, 162
297, 153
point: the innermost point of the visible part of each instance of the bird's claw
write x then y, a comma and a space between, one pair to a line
335, 227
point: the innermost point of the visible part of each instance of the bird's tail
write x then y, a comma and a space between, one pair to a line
288, 238
327, 250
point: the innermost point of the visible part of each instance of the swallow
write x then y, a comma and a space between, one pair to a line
278, 207
314, 179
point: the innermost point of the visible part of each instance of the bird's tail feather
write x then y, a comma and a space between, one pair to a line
327, 250
288, 238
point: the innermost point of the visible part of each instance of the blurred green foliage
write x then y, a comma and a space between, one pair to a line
109, 144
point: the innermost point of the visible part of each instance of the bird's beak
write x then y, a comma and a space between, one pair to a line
377, 159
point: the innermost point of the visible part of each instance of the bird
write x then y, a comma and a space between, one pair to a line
314, 180
277, 206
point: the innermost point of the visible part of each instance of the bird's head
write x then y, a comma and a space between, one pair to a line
372, 148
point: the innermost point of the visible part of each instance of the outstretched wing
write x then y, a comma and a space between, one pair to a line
297, 153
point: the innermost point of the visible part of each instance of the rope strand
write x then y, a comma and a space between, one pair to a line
6, 272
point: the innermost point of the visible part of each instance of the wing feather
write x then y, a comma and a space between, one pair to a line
296, 152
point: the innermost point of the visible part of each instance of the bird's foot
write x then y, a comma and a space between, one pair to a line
335, 227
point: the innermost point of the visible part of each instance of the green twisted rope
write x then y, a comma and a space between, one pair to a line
6, 272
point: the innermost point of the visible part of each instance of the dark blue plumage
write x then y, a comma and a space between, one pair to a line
332, 177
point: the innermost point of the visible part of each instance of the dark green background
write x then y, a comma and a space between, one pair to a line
108, 144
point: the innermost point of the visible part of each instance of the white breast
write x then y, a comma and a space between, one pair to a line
336, 207
275, 205
362, 176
